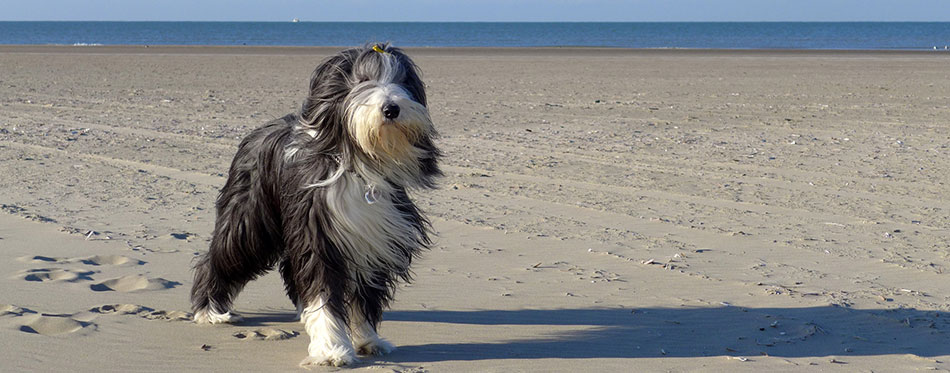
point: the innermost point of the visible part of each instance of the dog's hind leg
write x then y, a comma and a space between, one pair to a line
211, 294
244, 247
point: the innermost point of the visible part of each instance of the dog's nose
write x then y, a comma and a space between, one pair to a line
390, 111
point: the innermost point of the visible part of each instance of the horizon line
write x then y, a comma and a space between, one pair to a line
458, 21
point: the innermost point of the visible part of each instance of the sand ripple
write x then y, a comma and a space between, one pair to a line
52, 325
131, 283
56, 274
265, 334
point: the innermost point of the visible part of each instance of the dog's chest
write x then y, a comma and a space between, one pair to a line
369, 227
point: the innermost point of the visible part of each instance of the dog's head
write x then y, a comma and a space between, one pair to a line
373, 99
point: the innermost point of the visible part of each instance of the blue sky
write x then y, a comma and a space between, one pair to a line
473, 10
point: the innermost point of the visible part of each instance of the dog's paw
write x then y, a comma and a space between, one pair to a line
375, 347
211, 317
337, 357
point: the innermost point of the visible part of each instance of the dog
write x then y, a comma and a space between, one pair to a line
323, 195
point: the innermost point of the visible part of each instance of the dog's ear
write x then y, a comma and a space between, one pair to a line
413, 77
322, 109
329, 84
429, 164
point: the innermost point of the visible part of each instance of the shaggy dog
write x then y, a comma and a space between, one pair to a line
323, 195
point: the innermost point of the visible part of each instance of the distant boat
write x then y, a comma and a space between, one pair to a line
296, 20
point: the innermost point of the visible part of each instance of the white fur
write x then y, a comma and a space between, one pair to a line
291, 150
365, 339
369, 234
209, 316
389, 69
340, 170
389, 141
329, 343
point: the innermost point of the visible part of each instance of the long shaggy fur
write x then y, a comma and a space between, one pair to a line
323, 195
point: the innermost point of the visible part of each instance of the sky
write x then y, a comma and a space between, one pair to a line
476, 10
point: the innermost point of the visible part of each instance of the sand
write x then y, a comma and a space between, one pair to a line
602, 210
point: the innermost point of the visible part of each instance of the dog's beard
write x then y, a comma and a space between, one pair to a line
388, 140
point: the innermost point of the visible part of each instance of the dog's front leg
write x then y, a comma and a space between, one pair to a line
329, 342
366, 340
366, 312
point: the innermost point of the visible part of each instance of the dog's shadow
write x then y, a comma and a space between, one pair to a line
266, 318
686, 332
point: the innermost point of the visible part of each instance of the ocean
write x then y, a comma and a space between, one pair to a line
727, 35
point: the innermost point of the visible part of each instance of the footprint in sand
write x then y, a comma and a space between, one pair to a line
95, 260
44, 259
168, 315
142, 311
30, 321
11, 310
121, 309
154, 250
131, 283
46, 324
265, 334
56, 274
161, 242
113, 260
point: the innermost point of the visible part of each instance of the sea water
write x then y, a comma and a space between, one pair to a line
716, 35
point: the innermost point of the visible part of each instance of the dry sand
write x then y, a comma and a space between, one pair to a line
603, 210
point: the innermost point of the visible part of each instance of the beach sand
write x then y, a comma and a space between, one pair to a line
602, 210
